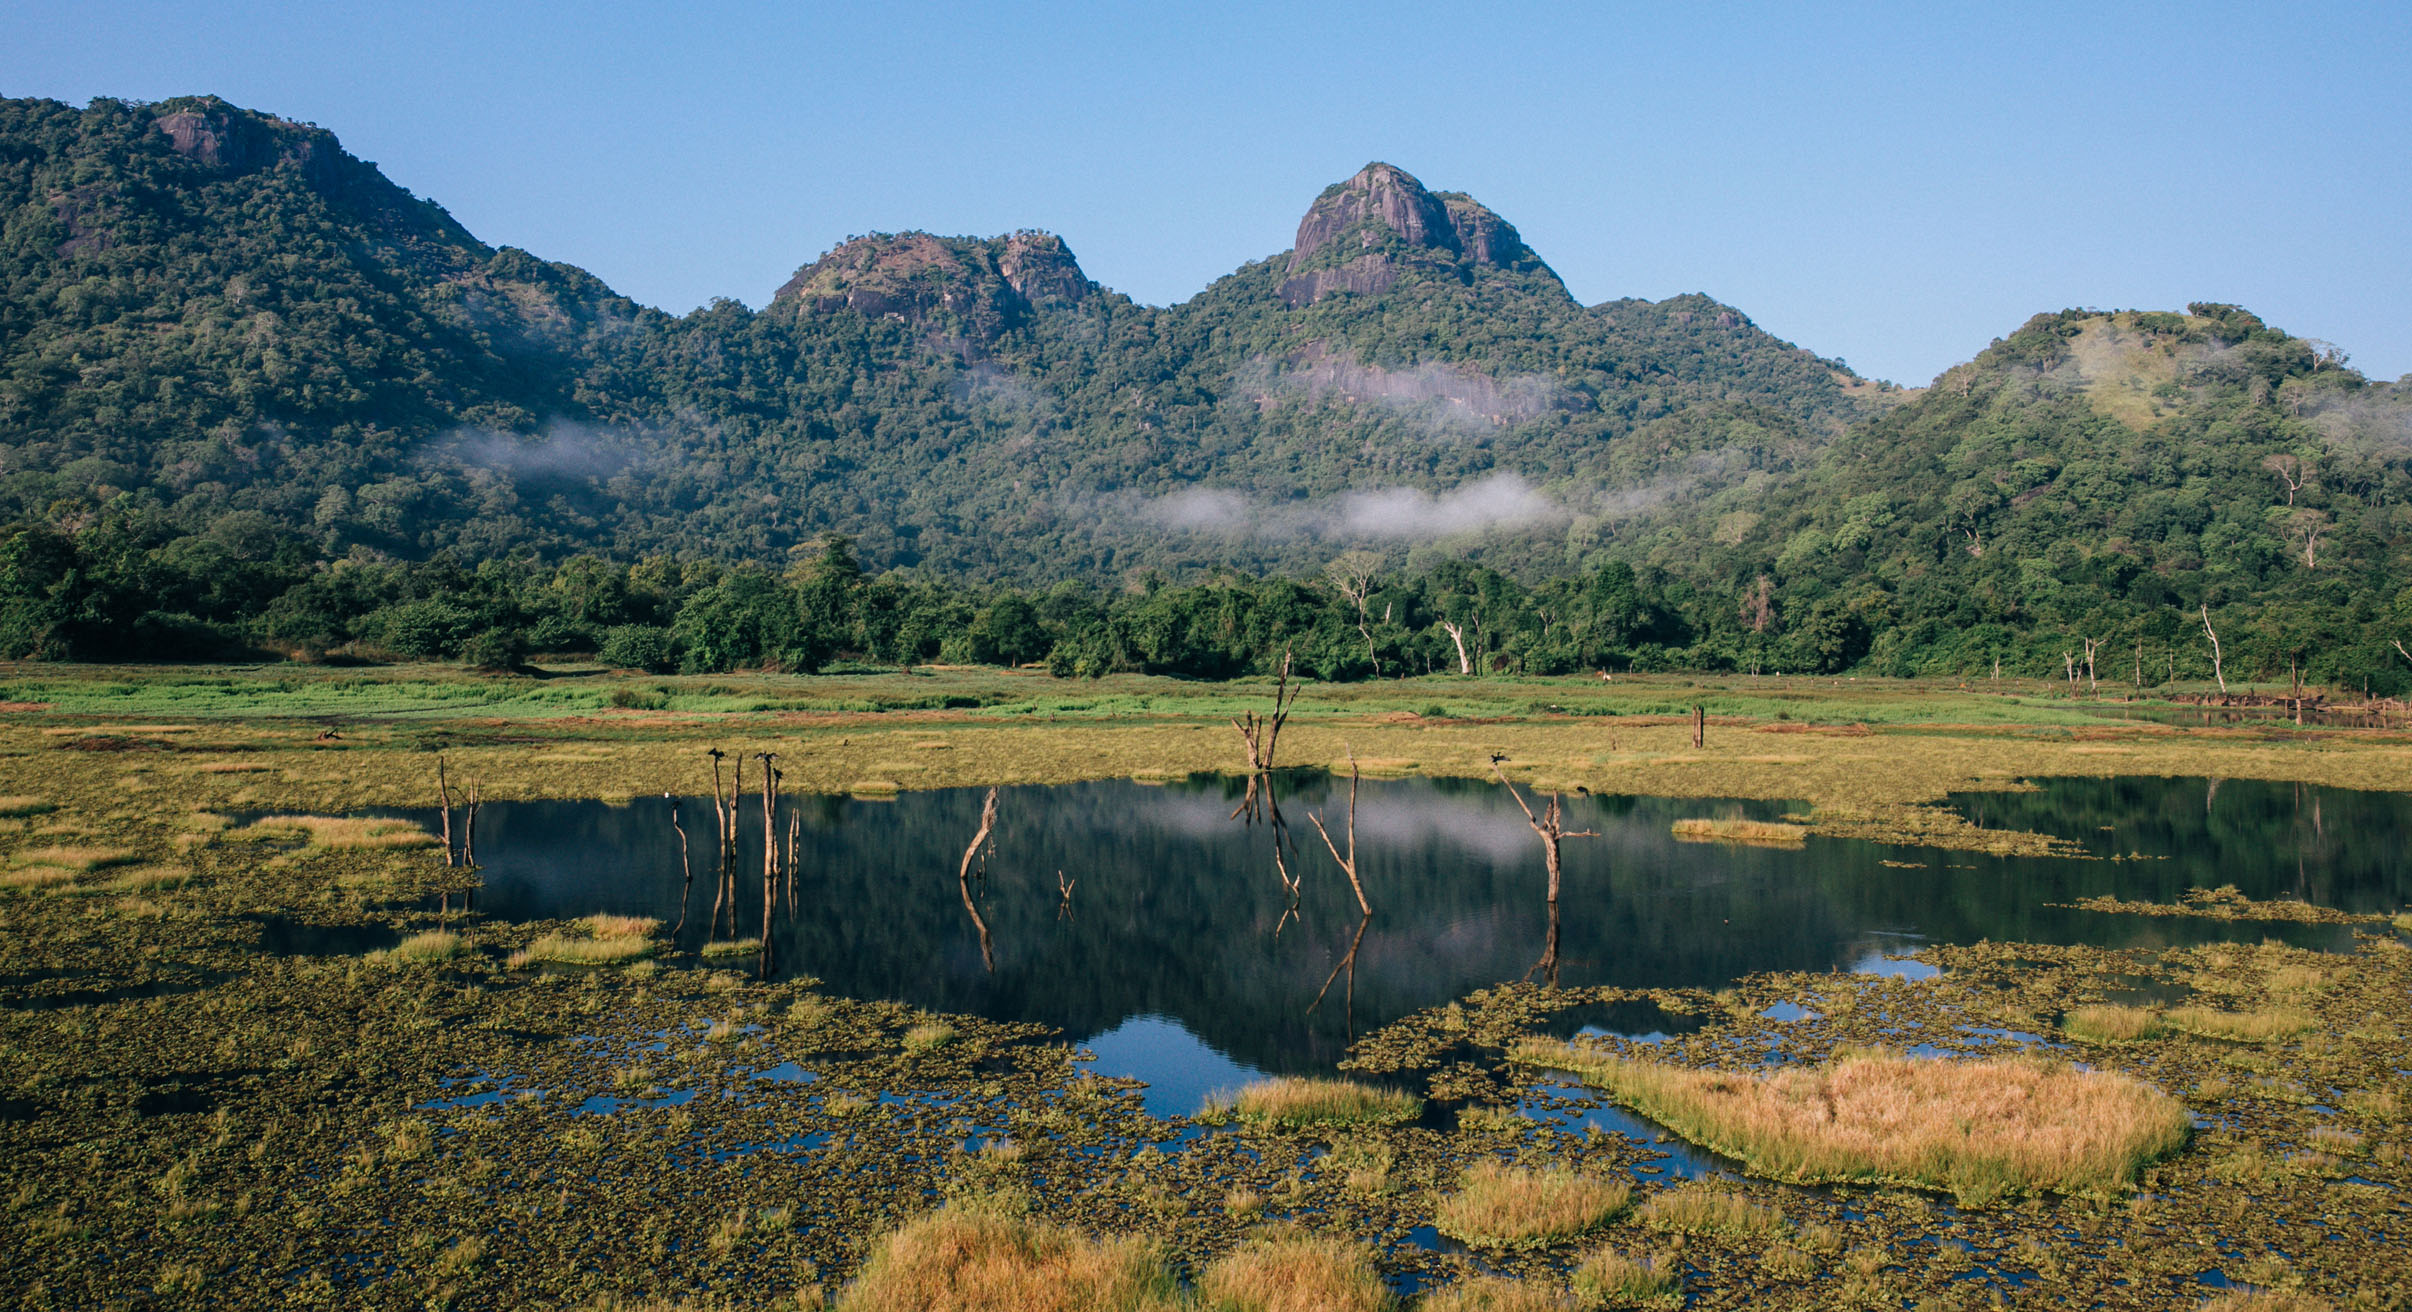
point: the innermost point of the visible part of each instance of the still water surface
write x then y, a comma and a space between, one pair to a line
1180, 958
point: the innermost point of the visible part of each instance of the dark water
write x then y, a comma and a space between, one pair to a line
1178, 957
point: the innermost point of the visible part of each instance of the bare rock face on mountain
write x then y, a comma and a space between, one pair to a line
1364, 234
977, 286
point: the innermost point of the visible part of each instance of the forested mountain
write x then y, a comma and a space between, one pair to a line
252, 392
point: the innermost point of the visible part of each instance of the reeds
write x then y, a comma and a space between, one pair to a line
2112, 1024
1295, 1102
928, 1037
1758, 832
2260, 1026
1294, 1273
1977, 1128
2268, 1300
419, 949
1707, 1209
961, 1258
1495, 1294
1507, 1207
597, 940
342, 831
1609, 1278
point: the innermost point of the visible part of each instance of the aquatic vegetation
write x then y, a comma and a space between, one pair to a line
1294, 1102
2224, 903
1506, 1207
2112, 1024
965, 1258
435, 945
928, 1035
730, 947
340, 831
2261, 1026
1495, 1294
1294, 1273
1740, 831
2268, 1300
1707, 1209
596, 940
1610, 1279
1977, 1128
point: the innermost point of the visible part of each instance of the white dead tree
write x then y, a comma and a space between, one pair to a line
2291, 472
1351, 574
1550, 825
1458, 636
2092, 684
2213, 634
1347, 864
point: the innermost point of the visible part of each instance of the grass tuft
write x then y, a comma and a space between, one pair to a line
1507, 1207
1295, 1273
928, 1037
1977, 1128
344, 831
1707, 1209
1740, 831
730, 947
80, 860
2107, 1024
2268, 1300
597, 940
2260, 1026
1611, 1279
961, 1258
19, 807
1495, 1294
434, 945
1295, 1102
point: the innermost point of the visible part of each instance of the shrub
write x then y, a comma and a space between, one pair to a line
644, 647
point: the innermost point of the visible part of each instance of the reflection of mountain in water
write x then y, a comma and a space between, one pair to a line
1176, 906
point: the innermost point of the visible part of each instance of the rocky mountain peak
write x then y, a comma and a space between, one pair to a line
983, 286
1359, 234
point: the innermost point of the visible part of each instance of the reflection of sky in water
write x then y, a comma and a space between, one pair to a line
1179, 1066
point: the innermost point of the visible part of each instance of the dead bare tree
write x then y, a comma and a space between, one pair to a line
770, 855
1347, 965
1548, 964
2214, 636
2399, 649
1699, 727
1351, 574
2290, 470
2305, 528
686, 866
2092, 684
1348, 864
1550, 825
1063, 895
1262, 734
444, 809
1458, 635
980, 840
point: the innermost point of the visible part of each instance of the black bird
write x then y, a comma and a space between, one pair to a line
1496, 758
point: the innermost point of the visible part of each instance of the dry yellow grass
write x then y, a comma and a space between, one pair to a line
2242, 1026
1506, 1207
1611, 1279
604, 941
435, 945
1495, 1294
1295, 1102
959, 1258
1295, 1273
32, 877
232, 767
2268, 1300
2110, 1024
1707, 1209
345, 831
21, 806
1977, 1128
1739, 831
76, 859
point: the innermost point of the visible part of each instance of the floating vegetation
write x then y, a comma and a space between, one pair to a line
1770, 833
1980, 1129
1294, 1102
340, 831
2224, 903
2259, 1026
2112, 1024
1507, 1207
1711, 1210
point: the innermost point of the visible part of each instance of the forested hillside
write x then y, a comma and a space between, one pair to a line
253, 395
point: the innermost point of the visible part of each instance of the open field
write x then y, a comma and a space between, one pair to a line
421, 1107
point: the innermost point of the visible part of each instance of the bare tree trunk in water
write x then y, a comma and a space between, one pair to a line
770, 856
1549, 824
988, 825
1347, 964
686, 867
1699, 727
1349, 862
1263, 736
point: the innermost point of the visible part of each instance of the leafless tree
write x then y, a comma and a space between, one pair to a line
2291, 471
1758, 605
686, 867
1549, 824
770, 855
1351, 574
1458, 635
1348, 864
2214, 636
980, 840
1347, 965
2304, 529
2092, 684
1262, 734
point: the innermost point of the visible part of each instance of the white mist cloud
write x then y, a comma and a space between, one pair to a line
1445, 399
1499, 503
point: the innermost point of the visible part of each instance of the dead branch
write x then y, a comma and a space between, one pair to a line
1349, 862
1550, 825
1262, 735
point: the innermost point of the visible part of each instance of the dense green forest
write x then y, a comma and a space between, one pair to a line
256, 397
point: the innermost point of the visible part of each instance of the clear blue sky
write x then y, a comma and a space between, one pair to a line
1896, 185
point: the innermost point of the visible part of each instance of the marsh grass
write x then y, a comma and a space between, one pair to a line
597, 940
1609, 1278
2260, 1026
79, 860
1493, 1120
420, 949
1508, 1207
1294, 1273
729, 947
1495, 1294
928, 1036
2112, 1024
1977, 1128
1295, 1102
1756, 832
2268, 1300
31, 878
341, 831
964, 1258
22, 806
1708, 1209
